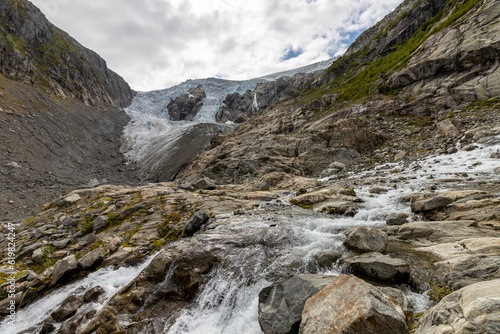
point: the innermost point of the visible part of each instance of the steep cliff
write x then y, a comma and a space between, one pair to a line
37, 53
60, 113
427, 58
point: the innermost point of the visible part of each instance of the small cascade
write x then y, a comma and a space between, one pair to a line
255, 104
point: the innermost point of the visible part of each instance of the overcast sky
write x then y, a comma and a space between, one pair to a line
156, 44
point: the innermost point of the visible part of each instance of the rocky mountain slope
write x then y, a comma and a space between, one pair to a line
426, 59
60, 116
400, 234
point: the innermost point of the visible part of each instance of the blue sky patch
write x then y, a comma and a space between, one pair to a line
290, 53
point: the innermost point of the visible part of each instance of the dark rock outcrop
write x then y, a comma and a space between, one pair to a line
185, 107
67, 308
379, 268
365, 240
37, 53
237, 108
281, 304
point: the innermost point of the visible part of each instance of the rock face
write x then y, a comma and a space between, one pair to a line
68, 308
365, 240
281, 305
473, 309
237, 108
349, 305
185, 107
379, 268
35, 52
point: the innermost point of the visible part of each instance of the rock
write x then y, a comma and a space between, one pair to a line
91, 259
379, 268
92, 294
87, 240
400, 156
464, 270
399, 298
205, 183
448, 129
281, 304
47, 328
433, 203
397, 219
70, 326
195, 222
39, 255
337, 207
67, 308
378, 190
473, 309
349, 305
69, 221
100, 223
61, 243
364, 240
326, 259
186, 107
469, 148
64, 269
68, 200
92, 183
12, 164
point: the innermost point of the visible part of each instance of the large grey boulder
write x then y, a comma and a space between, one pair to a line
364, 240
67, 308
349, 305
281, 304
433, 203
63, 269
195, 222
379, 268
91, 259
448, 129
473, 309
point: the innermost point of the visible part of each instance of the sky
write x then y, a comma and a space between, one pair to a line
155, 44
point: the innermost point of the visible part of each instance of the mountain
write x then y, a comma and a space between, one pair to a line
60, 112
427, 58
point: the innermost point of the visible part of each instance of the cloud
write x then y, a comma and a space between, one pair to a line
155, 44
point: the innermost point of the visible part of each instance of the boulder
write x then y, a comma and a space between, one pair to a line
473, 309
70, 326
365, 240
433, 203
195, 222
91, 259
379, 268
397, 219
466, 270
87, 240
281, 304
100, 223
64, 269
399, 298
47, 328
205, 183
92, 294
38, 255
448, 129
67, 308
350, 305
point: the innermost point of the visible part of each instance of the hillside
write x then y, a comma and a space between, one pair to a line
426, 59
60, 115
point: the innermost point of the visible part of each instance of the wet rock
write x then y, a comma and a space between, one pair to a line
91, 259
399, 298
92, 294
70, 326
379, 268
326, 259
350, 305
64, 269
47, 328
337, 207
365, 240
473, 309
400, 156
205, 183
378, 190
448, 129
281, 304
433, 203
397, 219
67, 308
195, 223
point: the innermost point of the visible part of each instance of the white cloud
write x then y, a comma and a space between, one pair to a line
155, 44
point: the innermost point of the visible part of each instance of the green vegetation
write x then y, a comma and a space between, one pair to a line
356, 76
87, 225
438, 291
